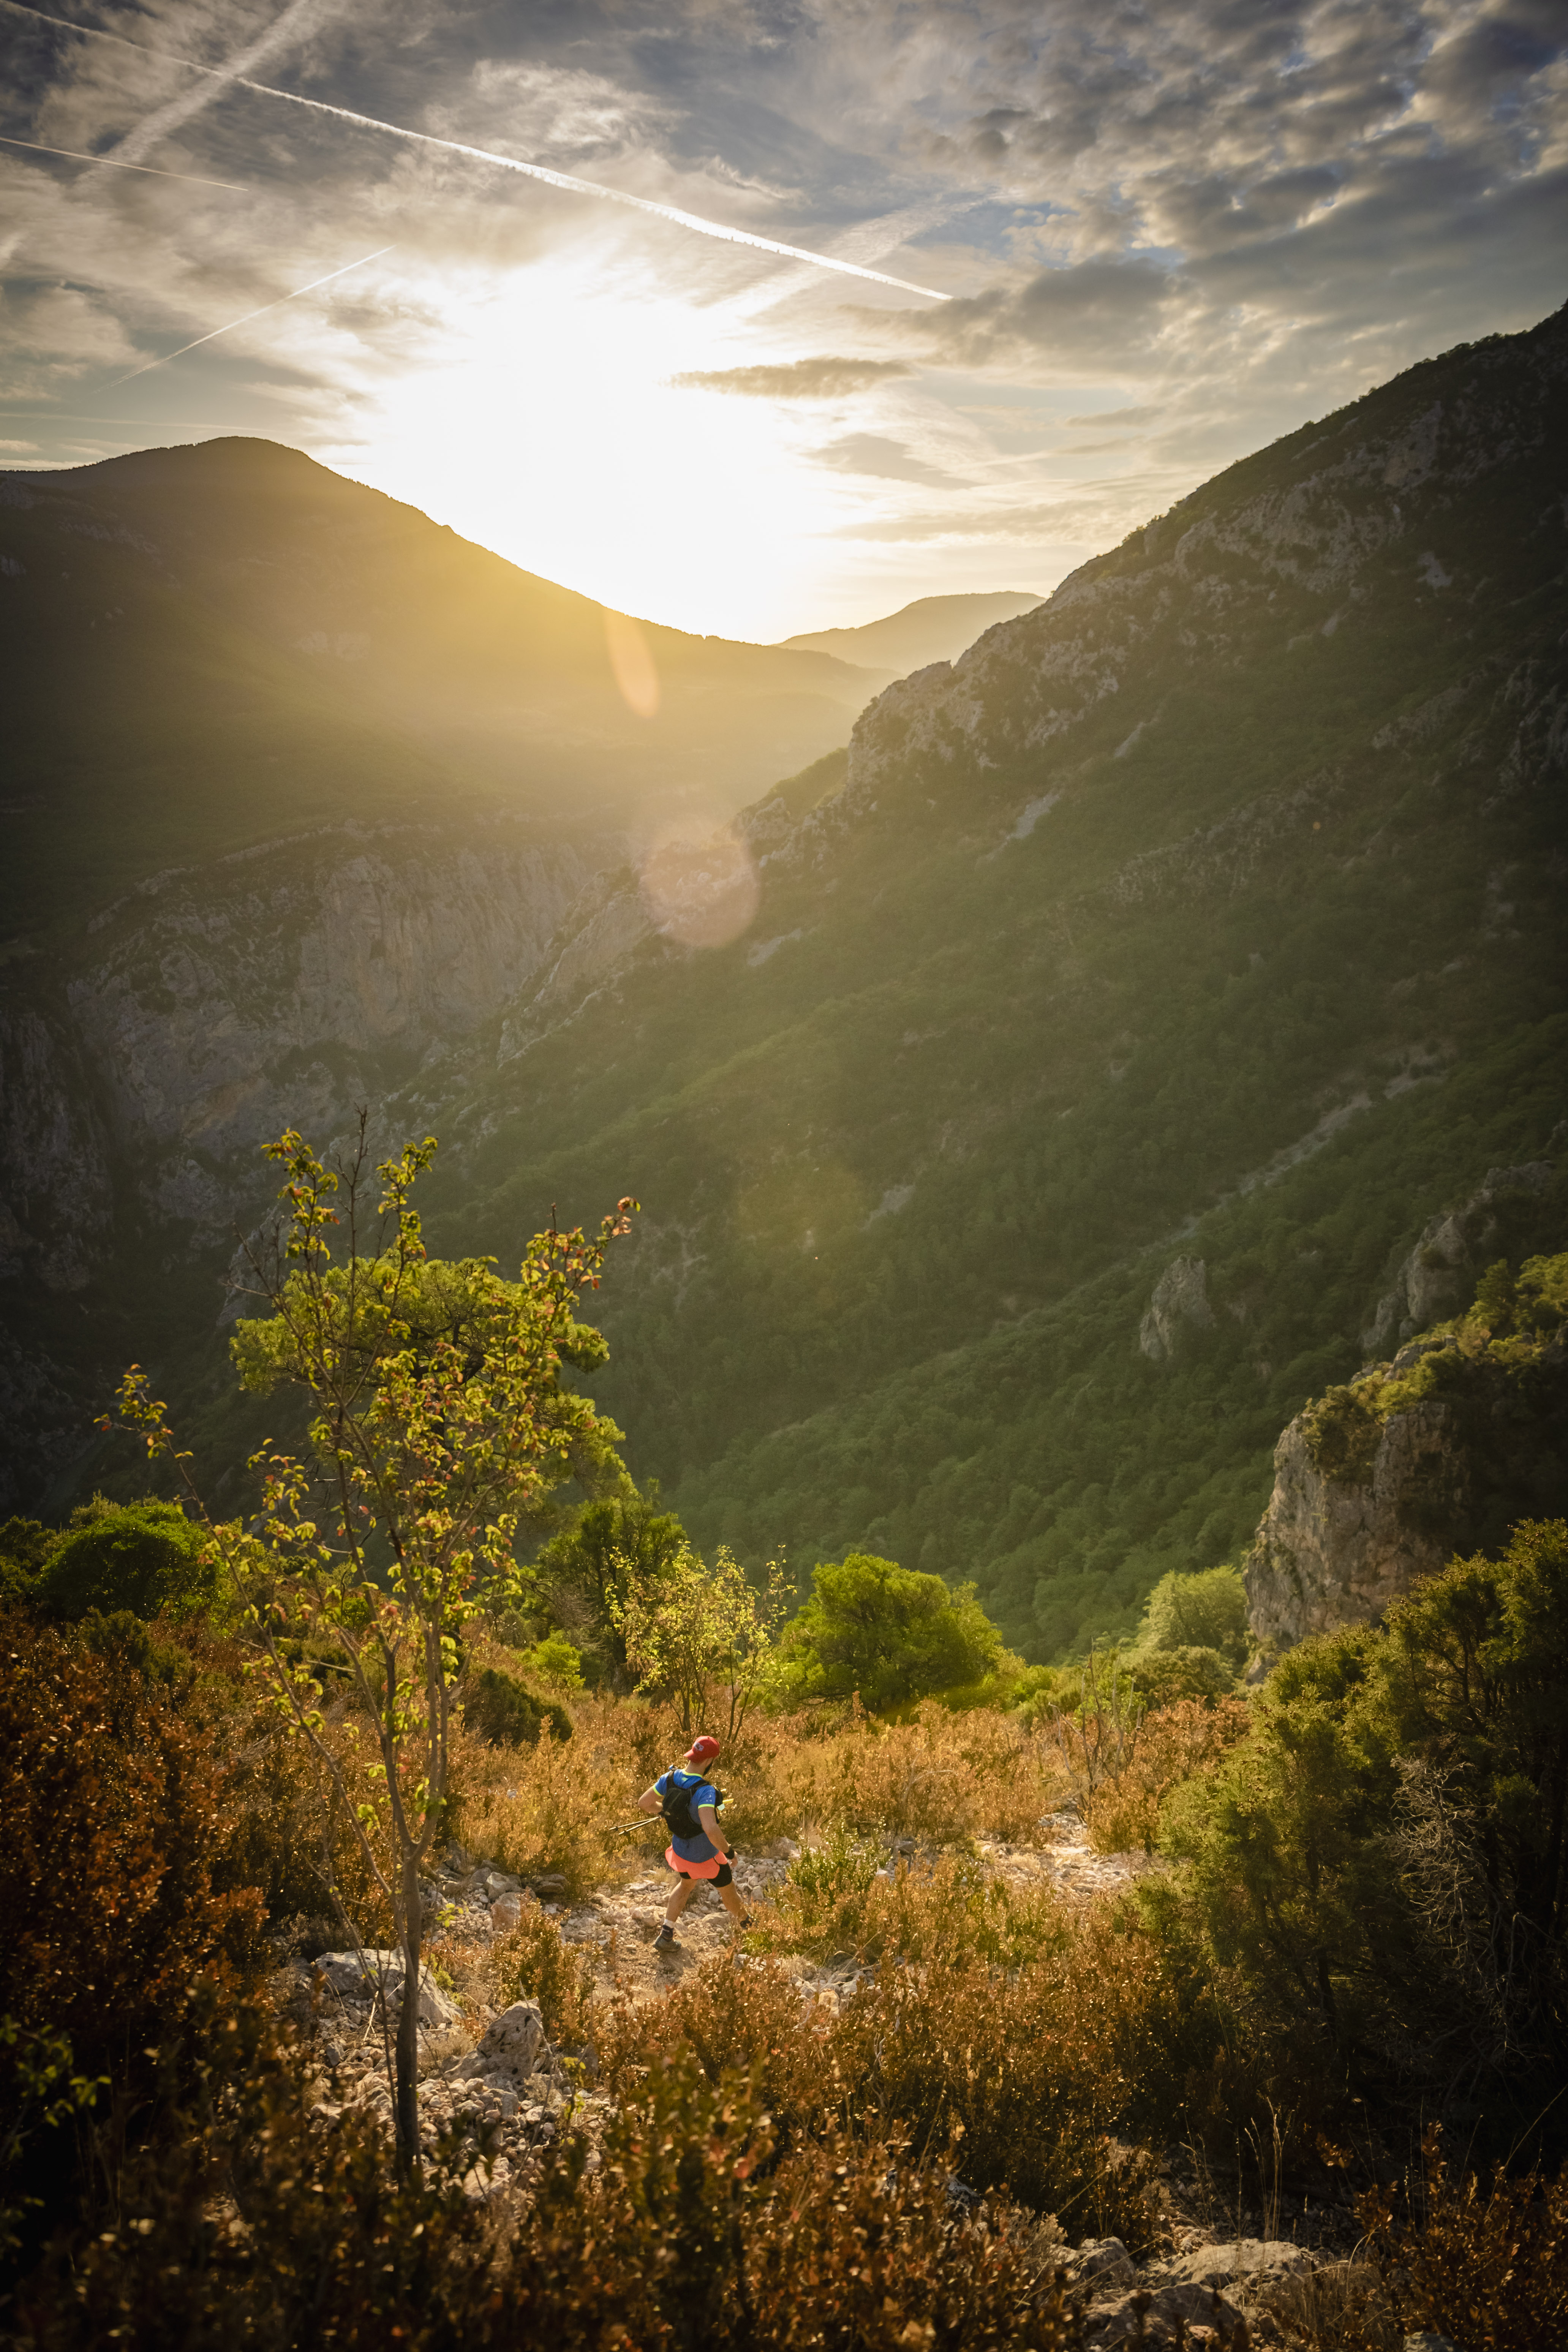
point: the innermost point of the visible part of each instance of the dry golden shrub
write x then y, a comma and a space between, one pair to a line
548, 1808
1124, 1815
533, 1963
1005, 2030
939, 1778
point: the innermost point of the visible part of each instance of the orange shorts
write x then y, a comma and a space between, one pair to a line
718, 1870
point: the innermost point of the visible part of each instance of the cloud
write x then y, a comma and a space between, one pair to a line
1124, 418
815, 379
875, 455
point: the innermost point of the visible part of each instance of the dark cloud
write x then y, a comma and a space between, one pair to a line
815, 379
1072, 313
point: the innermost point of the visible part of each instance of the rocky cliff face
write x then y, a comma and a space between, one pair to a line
1335, 1552
1274, 551
217, 1004
1437, 1452
1438, 1275
141, 1065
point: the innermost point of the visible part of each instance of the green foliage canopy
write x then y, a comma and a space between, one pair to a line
1203, 1611
1376, 1868
146, 1558
615, 1543
891, 1634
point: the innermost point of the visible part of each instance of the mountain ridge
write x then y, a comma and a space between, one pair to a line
932, 629
1247, 840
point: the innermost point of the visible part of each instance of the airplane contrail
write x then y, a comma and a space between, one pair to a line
77, 157
176, 112
564, 180
228, 328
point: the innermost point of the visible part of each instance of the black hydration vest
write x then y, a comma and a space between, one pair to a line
679, 1811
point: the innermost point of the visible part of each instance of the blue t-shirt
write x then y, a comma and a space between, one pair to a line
697, 1792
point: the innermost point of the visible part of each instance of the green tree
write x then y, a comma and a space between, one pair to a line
25, 1549
891, 1634
1203, 1611
148, 1557
1381, 1860
586, 1575
692, 1632
440, 1422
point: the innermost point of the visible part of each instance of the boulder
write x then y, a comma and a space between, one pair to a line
513, 2044
1164, 2312
1226, 2262
359, 1975
1103, 2262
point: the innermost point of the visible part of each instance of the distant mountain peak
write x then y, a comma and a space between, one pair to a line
932, 629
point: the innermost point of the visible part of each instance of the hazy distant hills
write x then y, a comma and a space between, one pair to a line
932, 629
1114, 1015
210, 644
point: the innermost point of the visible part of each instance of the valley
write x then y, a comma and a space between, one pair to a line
1115, 1012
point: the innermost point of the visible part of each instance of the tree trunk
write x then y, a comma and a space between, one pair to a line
407, 2046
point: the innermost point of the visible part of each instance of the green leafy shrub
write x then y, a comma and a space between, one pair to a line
1206, 1610
556, 1661
585, 1574
25, 1547
890, 1634
141, 1557
1164, 1677
504, 1711
1373, 1871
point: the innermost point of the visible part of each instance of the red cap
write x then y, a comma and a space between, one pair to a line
702, 1749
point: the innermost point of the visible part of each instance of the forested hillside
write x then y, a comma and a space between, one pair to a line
1211, 912
1114, 1016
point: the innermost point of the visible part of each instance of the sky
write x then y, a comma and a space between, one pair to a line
1045, 266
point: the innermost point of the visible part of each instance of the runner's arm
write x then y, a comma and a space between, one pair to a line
713, 1833
650, 1801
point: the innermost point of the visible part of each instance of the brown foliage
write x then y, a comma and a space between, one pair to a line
262, 2229
1006, 2032
1165, 1749
1487, 2264
116, 1834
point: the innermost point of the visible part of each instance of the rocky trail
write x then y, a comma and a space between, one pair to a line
491, 2078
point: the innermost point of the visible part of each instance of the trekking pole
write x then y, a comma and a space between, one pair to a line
643, 1821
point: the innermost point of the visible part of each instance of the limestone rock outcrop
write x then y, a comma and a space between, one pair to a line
1436, 1453
1179, 1298
1334, 1552
1438, 1275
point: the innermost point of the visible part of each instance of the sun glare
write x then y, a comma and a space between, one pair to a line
552, 433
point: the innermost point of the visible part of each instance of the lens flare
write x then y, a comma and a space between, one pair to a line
631, 659
701, 891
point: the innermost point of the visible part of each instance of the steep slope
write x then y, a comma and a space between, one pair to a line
1113, 1019
932, 629
1212, 913
207, 646
298, 784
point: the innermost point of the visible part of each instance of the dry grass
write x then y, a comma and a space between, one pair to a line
1002, 2033
1163, 1749
939, 1778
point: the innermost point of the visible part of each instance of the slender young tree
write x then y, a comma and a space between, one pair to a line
700, 1635
439, 1423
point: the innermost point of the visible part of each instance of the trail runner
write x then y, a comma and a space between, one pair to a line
697, 1851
